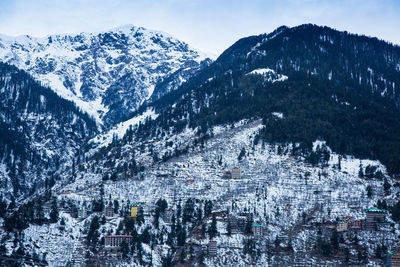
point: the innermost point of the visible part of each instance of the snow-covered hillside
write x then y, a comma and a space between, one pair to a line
118, 131
291, 199
107, 74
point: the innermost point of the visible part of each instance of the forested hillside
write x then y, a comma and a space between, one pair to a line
39, 131
341, 88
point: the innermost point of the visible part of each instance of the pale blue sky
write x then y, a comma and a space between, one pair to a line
208, 25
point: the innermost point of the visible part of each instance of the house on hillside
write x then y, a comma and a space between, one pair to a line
236, 173
257, 230
393, 259
374, 218
341, 226
227, 174
114, 241
355, 224
133, 211
212, 248
234, 223
109, 211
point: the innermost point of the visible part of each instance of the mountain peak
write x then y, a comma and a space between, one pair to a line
108, 74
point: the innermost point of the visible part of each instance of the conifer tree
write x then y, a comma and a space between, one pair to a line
229, 228
212, 230
54, 211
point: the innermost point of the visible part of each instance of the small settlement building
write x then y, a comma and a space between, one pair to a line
374, 218
352, 224
236, 173
212, 248
82, 212
341, 226
227, 174
257, 230
109, 211
115, 241
393, 259
134, 212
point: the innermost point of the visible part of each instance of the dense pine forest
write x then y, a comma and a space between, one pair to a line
34, 124
341, 89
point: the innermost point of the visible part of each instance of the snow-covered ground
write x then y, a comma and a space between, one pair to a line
269, 75
119, 130
278, 188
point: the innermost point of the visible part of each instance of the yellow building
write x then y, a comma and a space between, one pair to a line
134, 211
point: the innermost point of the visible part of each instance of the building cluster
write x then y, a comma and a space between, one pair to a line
115, 241
244, 223
393, 259
232, 174
375, 219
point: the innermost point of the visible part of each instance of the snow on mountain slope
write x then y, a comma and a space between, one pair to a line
119, 130
269, 75
278, 188
107, 74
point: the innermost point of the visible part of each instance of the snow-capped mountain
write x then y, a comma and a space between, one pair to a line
306, 118
107, 74
341, 87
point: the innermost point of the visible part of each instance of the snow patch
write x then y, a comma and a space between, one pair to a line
269, 75
120, 129
279, 115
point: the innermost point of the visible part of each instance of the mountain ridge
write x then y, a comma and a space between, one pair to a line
107, 73
359, 85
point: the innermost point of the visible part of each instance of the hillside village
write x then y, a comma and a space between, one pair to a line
231, 202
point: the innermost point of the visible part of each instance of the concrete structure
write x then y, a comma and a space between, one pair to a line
257, 230
341, 226
113, 241
234, 223
393, 259
227, 174
212, 248
236, 173
134, 211
249, 217
109, 211
354, 225
374, 217
241, 224
82, 212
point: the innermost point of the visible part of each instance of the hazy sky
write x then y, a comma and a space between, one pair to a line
208, 25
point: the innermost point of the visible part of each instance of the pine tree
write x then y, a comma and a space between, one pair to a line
335, 240
203, 230
116, 206
212, 230
181, 237
386, 187
242, 154
229, 228
93, 234
62, 224
188, 211
199, 215
156, 217
54, 211
369, 191
208, 208
248, 229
